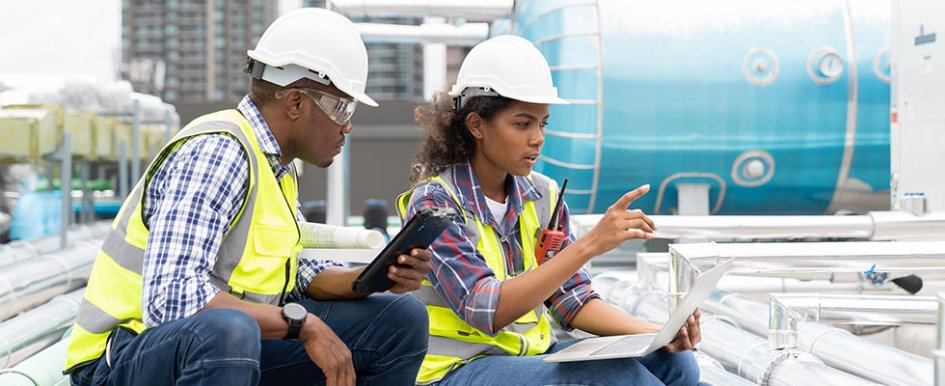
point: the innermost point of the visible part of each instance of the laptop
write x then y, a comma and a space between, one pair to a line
638, 345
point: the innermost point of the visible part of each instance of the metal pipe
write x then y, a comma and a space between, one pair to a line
136, 139
434, 57
873, 361
886, 225
65, 189
123, 183
5, 221
939, 352
747, 355
835, 261
465, 35
16, 251
37, 329
652, 268
336, 197
482, 10
787, 310
37, 280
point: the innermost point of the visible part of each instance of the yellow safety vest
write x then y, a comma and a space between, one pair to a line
453, 342
257, 260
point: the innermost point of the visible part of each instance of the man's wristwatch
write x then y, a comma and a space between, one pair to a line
294, 314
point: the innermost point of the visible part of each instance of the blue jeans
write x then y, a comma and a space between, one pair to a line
658, 368
387, 335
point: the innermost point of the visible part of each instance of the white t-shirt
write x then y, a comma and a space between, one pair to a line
498, 209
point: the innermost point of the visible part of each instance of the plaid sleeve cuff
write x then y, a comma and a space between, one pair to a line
308, 268
564, 307
480, 307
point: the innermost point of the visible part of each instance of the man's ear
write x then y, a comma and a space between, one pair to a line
474, 123
292, 104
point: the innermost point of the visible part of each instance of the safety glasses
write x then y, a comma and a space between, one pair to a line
339, 109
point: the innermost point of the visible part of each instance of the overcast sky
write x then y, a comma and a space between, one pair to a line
65, 36
60, 36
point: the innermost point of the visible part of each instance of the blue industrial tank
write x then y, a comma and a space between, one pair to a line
781, 107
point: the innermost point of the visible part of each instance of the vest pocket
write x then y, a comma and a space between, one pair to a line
262, 269
273, 241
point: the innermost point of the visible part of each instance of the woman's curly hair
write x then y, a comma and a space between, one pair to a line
446, 140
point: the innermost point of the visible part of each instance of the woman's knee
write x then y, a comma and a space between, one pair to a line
683, 368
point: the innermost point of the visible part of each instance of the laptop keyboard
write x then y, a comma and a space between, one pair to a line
630, 344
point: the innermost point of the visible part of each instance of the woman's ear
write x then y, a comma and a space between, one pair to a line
474, 123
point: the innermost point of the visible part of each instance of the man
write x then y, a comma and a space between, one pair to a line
199, 280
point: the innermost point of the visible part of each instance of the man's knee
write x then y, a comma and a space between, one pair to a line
232, 332
410, 317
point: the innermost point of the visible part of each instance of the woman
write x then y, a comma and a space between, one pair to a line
487, 293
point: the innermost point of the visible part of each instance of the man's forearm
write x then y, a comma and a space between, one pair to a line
269, 317
334, 283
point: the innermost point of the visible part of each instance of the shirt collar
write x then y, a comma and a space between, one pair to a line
267, 143
520, 190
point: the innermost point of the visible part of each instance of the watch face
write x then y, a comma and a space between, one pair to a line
294, 311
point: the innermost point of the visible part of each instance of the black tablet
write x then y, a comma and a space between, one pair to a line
419, 232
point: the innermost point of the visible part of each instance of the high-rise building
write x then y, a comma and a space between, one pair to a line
191, 51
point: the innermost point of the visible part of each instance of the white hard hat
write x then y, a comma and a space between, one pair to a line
508, 66
313, 43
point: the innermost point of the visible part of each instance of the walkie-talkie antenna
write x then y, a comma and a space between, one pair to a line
553, 223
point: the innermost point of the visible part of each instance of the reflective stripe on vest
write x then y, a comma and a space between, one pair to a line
260, 246
453, 342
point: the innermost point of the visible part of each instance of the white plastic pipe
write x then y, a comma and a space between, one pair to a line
37, 329
37, 280
481, 10
42, 369
19, 250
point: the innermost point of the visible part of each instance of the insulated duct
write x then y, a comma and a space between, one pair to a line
873, 361
35, 281
748, 355
788, 310
20, 250
37, 329
740, 352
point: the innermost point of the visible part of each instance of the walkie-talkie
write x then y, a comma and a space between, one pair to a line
551, 238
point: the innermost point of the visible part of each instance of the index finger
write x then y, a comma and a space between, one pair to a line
624, 201
421, 253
